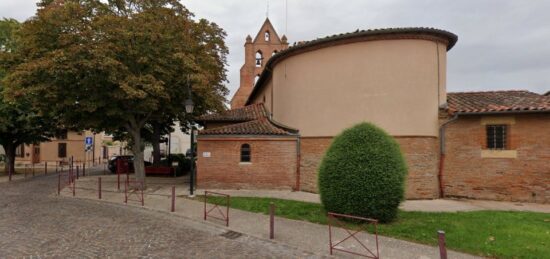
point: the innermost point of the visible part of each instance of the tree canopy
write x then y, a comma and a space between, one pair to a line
20, 122
118, 64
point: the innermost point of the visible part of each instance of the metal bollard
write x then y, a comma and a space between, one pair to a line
442, 245
84, 170
173, 199
271, 220
118, 179
33, 169
99, 187
45, 168
59, 184
74, 188
77, 172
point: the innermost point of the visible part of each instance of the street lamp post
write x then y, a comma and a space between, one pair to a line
189, 110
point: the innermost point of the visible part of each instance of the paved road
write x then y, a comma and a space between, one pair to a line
33, 222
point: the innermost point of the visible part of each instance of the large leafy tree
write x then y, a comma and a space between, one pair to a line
119, 64
20, 123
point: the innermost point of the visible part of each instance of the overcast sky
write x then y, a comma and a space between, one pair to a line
501, 44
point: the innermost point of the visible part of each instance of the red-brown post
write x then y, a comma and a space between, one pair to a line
99, 187
59, 184
442, 245
46, 168
205, 198
271, 220
84, 169
77, 172
173, 199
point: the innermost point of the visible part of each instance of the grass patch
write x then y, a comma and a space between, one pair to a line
499, 234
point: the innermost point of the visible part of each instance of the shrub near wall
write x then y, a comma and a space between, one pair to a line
363, 174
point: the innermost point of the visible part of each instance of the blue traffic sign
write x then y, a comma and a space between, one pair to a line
89, 141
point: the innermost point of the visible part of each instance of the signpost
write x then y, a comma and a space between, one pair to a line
89, 143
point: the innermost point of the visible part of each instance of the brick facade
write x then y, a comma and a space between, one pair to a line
422, 156
312, 151
273, 163
523, 178
421, 153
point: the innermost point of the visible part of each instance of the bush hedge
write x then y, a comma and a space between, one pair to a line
363, 174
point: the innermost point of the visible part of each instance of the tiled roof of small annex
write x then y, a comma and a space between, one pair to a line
247, 113
262, 126
497, 101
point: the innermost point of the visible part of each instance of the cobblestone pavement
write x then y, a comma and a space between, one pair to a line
36, 223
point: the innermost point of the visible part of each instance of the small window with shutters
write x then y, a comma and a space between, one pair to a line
245, 153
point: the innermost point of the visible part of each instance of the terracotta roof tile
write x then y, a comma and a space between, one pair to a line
497, 101
247, 113
262, 126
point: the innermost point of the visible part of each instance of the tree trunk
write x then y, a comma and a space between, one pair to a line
10, 158
137, 149
155, 141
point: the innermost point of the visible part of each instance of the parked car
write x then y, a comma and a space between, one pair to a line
130, 159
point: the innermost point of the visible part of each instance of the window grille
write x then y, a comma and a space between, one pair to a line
497, 136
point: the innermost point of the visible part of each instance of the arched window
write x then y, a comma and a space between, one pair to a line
259, 59
266, 36
245, 153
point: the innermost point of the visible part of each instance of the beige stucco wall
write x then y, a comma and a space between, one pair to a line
396, 84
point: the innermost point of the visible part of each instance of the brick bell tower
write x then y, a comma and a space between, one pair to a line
257, 52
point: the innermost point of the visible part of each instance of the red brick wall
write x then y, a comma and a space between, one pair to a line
421, 153
312, 151
273, 164
525, 178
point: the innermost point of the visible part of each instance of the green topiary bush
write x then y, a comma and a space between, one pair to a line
363, 174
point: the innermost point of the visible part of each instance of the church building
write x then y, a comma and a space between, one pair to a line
293, 100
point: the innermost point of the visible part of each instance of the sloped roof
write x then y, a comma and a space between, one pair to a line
246, 113
497, 101
261, 126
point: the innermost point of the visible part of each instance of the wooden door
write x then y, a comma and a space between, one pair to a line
36, 154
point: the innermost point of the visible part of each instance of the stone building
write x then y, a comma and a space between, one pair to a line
61, 148
395, 78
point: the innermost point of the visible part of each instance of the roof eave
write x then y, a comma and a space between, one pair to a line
500, 112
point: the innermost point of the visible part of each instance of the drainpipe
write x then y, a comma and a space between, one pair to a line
442, 153
298, 157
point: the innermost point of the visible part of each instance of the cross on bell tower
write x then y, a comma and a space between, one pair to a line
257, 52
